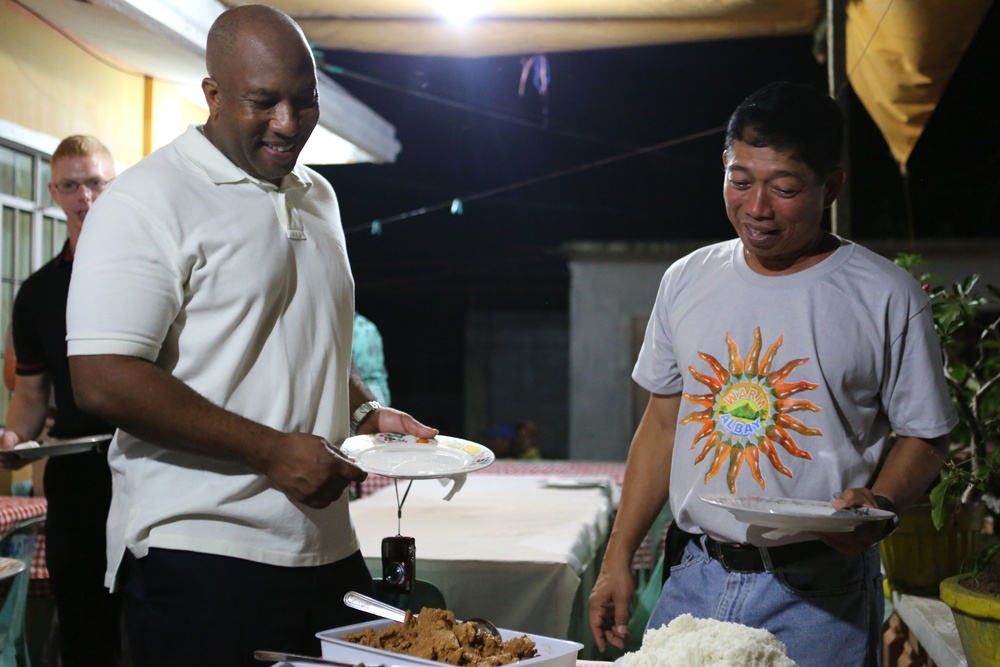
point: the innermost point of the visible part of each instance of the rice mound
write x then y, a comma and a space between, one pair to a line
704, 642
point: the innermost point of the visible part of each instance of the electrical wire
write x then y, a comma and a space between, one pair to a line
336, 70
382, 222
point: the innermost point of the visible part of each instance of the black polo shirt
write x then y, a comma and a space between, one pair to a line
40, 343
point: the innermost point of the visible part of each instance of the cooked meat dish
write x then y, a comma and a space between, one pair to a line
434, 634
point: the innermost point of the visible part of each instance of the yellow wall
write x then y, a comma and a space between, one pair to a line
172, 113
50, 85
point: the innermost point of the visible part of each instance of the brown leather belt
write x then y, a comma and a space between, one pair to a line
747, 558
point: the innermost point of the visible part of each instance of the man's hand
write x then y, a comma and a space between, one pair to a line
308, 470
862, 537
311, 471
390, 420
9, 460
609, 605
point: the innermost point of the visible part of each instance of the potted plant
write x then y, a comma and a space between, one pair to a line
975, 603
944, 532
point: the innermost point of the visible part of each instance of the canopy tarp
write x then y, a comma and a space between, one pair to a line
900, 57
508, 27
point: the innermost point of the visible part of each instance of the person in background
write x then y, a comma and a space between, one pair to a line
526, 441
500, 440
36, 485
77, 486
210, 317
786, 363
369, 358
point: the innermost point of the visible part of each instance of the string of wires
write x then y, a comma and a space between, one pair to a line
456, 204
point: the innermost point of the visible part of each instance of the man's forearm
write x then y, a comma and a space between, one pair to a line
910, 468
358, 391
647, 474
28, 407
149, 403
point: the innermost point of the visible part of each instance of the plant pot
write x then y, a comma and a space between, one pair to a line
917, 557
977, 617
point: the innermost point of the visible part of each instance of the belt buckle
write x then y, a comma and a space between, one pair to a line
738, 559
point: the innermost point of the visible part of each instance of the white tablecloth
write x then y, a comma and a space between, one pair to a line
506, 548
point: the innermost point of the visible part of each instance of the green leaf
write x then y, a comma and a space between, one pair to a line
983, 561
939, 497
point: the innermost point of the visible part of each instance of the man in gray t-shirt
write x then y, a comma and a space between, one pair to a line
779, 364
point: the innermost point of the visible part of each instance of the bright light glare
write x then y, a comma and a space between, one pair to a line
459, 11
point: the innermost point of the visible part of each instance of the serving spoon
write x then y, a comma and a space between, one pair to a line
372, 606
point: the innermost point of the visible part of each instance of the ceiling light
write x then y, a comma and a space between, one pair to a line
459, 11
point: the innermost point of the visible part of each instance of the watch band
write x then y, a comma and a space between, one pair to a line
361, 413
892, 524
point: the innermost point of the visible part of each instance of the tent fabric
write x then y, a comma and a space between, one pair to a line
511, 27
900, 57
499, 37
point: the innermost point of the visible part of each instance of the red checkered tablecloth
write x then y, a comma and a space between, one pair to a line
643, 560
14, 510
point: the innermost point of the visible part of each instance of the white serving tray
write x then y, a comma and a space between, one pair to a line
551, 652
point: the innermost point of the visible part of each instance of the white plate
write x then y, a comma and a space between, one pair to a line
408, 457
37, 450
792, 514
10, 566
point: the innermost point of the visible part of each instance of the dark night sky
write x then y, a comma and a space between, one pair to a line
420, 277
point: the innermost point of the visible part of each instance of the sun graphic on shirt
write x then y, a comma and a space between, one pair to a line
747, 412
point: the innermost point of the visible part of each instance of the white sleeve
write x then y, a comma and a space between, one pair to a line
127, 286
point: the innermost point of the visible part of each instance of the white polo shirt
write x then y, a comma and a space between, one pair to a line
243, 291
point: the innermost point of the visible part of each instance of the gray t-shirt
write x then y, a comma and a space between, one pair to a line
792, 384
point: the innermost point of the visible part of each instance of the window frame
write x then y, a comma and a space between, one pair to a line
41, 211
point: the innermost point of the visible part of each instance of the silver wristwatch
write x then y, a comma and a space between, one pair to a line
361, 413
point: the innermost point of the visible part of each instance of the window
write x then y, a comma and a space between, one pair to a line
33, 229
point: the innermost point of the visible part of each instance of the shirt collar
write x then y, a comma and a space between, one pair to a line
194, 145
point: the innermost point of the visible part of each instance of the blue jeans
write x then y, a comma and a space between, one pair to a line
827, 609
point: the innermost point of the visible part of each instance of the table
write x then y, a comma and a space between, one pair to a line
14, 510
651, 547
507, 547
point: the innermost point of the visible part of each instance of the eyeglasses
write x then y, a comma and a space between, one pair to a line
95, 185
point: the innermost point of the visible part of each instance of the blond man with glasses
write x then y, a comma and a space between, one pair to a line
77, 486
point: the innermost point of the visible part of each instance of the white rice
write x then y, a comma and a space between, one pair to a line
704, 642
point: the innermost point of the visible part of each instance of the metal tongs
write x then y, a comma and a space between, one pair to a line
361, 602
